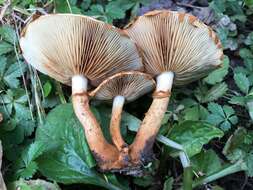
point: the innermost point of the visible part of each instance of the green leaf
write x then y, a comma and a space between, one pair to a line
191, 113
114, 12
219, 74
245, 53
238, 100
47, 87
27, 166
28, 171
242, 82
144, 181
206, 162
5, 47
168, 184
216, 109
249, 2
249, 164
8, 34
37, 184
16, 99
237, 147
220, 116
192, 135
67, 158
9, 73
218, 6
216, 92
66, 6
34, 151
57, 130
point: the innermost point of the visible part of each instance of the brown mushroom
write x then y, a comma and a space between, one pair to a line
121, 87
176, 48
78, 50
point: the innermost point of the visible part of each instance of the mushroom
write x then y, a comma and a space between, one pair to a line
176, 48
81, 51
121, 87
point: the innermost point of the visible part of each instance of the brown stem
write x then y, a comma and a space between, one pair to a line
106, 155
141, 148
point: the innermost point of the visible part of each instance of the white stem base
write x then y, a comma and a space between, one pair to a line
164, 81
79, 84
118, 101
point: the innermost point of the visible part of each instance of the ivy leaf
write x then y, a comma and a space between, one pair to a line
218, 75
242, 82
67, 158
192, 135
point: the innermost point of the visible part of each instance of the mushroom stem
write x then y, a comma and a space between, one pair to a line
141, 148
105, 154
117, 107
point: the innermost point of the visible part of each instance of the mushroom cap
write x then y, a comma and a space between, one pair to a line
64, 45
131, 85
177, 42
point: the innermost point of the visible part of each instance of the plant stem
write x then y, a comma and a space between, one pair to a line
187, 179
188, 174
182, 153
238, 166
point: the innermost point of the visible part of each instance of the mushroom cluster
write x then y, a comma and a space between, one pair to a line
106, 63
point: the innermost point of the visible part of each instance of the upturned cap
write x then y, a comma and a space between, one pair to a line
64, 45
177, 42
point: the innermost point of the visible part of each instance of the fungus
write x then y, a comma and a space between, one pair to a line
80, 51
176, 48
121, 87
